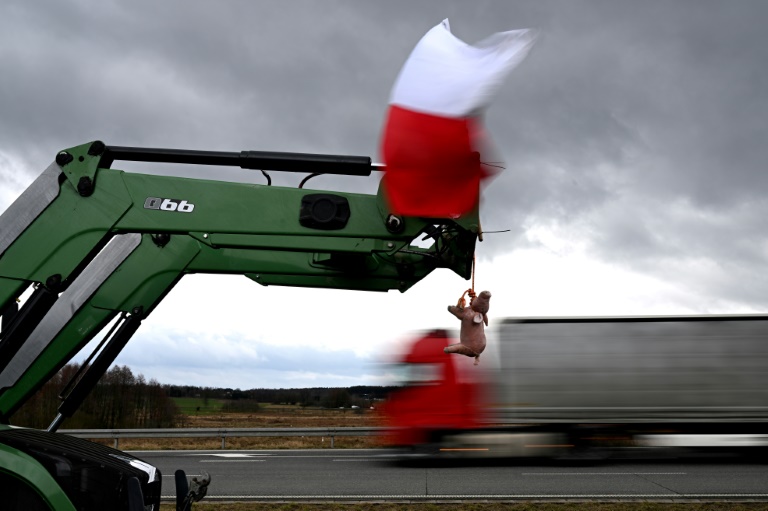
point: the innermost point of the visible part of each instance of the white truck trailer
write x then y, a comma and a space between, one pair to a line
573, 386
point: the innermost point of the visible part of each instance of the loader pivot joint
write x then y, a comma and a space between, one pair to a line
63, 158
394, 224
161, 239
85, 186
97, 148
53, 283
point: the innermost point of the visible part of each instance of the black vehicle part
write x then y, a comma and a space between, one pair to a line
255, 160
93, 476
20, 496
135, 498
8, 313
182, 489
324, 211
24, 322
187, 494
96, 370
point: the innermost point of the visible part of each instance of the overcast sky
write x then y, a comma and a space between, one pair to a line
635, 140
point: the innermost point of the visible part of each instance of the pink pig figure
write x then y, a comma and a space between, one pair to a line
472, 334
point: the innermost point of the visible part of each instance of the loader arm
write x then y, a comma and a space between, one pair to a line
96, 243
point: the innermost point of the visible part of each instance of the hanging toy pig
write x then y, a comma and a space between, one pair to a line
472, 334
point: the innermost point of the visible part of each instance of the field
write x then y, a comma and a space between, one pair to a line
198, 405
197, 414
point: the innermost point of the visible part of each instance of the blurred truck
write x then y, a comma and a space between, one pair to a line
588, 387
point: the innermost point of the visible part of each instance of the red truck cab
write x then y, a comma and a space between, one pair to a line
440, 395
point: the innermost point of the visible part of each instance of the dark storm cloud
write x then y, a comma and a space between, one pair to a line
641, 128
638, 126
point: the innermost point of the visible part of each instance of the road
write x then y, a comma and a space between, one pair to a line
371, 475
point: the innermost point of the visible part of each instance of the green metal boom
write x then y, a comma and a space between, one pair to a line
97, 243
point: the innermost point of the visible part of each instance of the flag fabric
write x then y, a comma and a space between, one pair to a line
434, 144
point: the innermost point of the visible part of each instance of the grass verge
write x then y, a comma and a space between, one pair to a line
480, 506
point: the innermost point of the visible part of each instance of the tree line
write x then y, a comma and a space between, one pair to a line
362, 396
120, 400
123, 399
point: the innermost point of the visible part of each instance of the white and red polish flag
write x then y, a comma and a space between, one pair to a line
434, 143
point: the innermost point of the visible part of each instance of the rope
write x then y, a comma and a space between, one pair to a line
471, 291
474, 264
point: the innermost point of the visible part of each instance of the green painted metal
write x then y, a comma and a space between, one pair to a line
60, 238
230, 214
207, 226
25, 468
85, 162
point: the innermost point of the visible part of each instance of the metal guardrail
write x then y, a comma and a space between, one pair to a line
222, 433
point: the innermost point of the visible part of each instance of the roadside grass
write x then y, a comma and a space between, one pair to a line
480, 506
243, 443
280, 416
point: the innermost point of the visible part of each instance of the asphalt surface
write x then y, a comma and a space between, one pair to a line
373, 475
